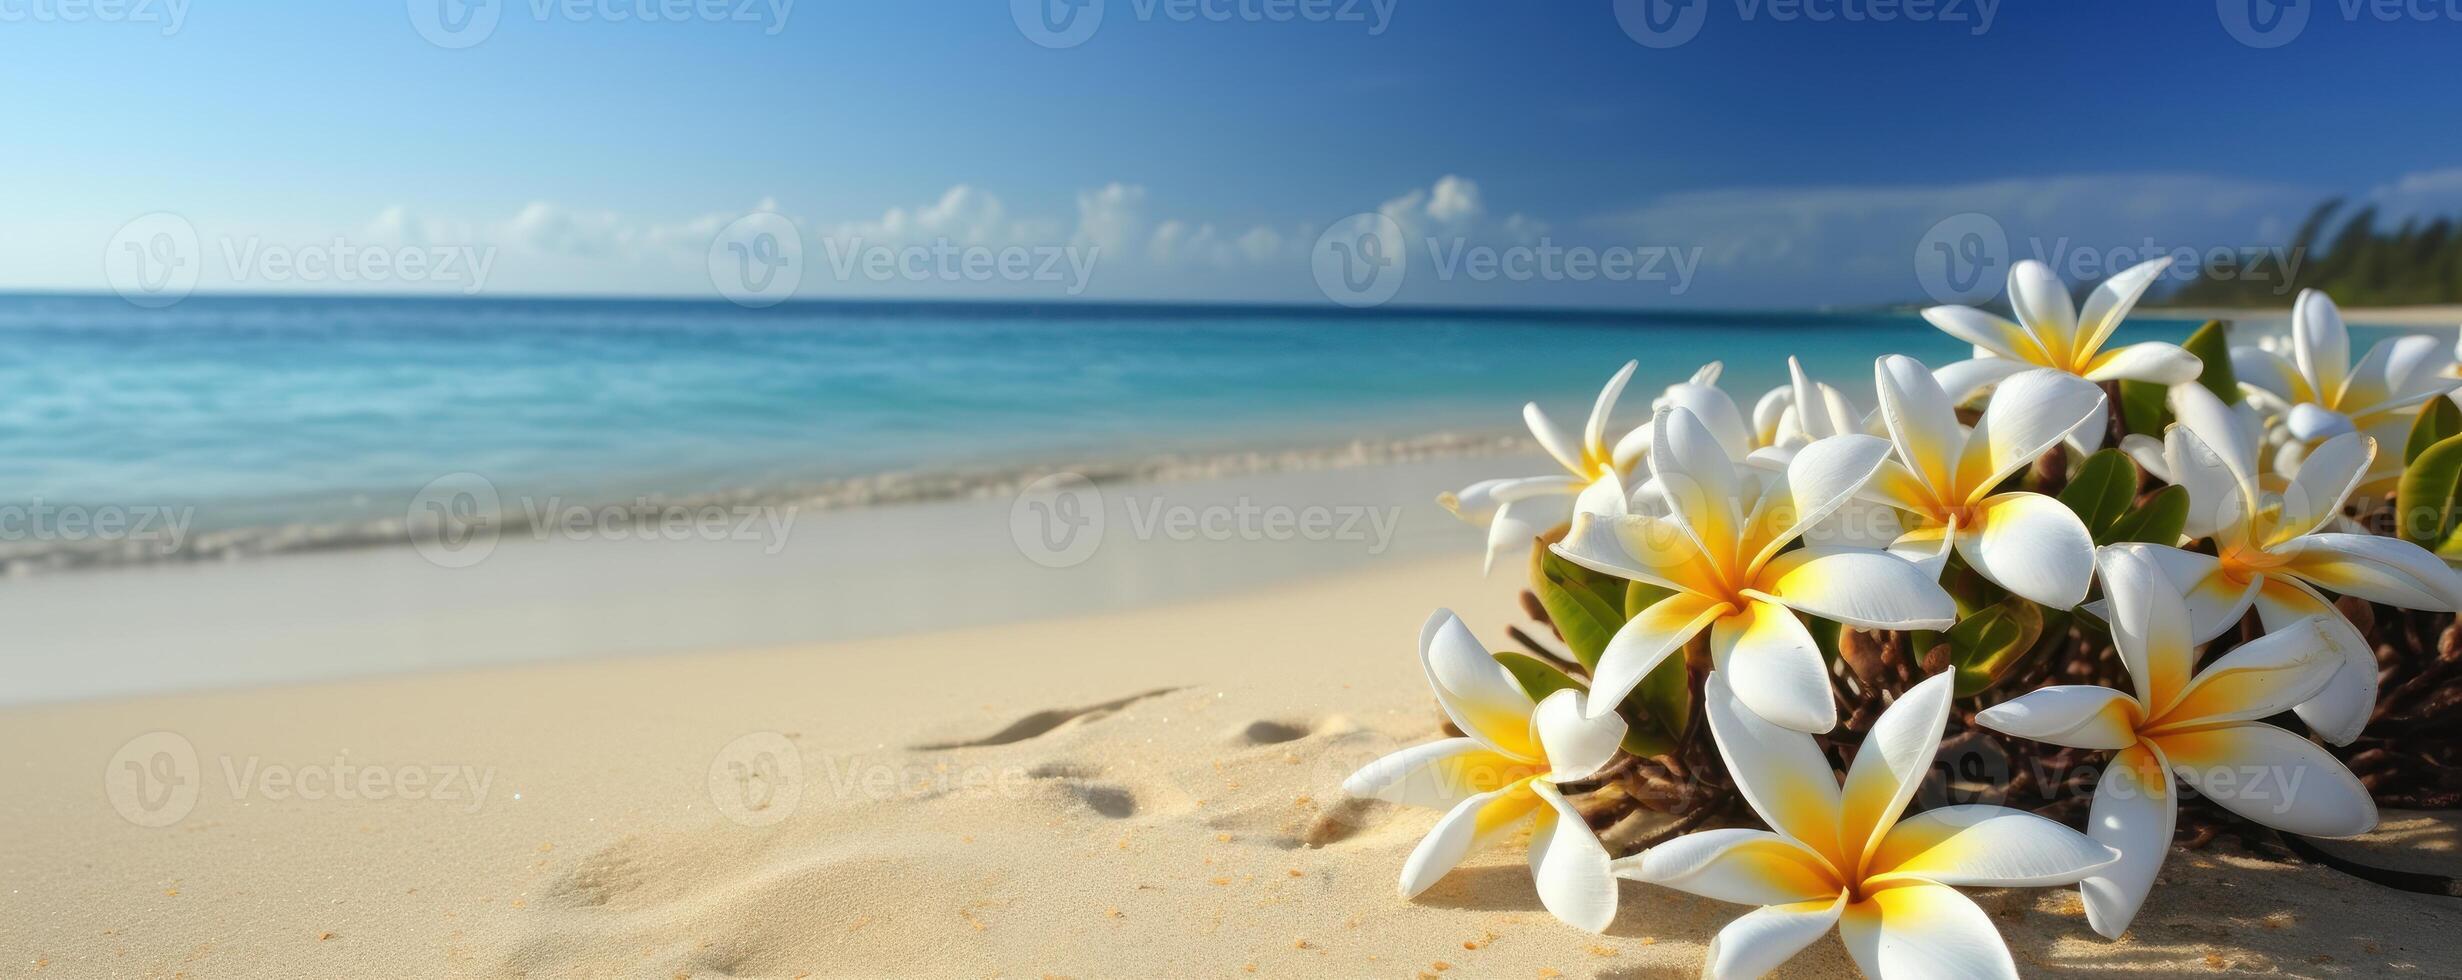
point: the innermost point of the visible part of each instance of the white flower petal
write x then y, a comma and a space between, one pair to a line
1748, 867
1471, 824
1594, 434
2028, 416
2320, 345
2149, 626
2267, 371
1436, 775
2272, 777
1775, 666
1920, 932
1569, 865
1818, 480
1645, 641
2265, 676
1765, 938
1897, 753
1963, 379
2031, 545
2341, 710
1921, 420
2153, 361
1558, 443
2215, 603
2378, 569
2076, 715
2111, 302
2041, 302
2147, 452
1478, 693
1781, 773
1640, 547
2134, 810
1575, 746
1699, 483
1517, 525
1988, 332
1717, 413
2220, 501
2308, 422
1988, 847
1866, 589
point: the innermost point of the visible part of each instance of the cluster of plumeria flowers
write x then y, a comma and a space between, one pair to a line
1746, 535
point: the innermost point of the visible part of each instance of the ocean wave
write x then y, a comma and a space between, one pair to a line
53, 553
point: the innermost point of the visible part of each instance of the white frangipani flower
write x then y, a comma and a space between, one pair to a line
2320, 394
2052, 333
1944, 478
1719, 551
2198, 725
1516, 510
1842, 856
1801, 412
1500, 775
2271, 551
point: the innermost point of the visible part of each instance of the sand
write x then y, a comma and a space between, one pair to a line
1145, 792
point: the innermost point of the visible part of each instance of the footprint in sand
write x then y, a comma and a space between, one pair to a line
1044, 722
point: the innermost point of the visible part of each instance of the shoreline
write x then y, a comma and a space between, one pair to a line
513, 516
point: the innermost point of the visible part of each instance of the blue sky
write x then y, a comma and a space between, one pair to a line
1794, 154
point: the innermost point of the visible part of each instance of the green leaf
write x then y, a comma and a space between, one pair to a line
1824, 635
1577, 600
1538, 677
2142, 408
1984, 646
2426, 495
2102, 489
1642, 595
2441, 420
1664, 700
2212, 345
2157, 521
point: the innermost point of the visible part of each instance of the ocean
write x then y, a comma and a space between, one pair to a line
281, 423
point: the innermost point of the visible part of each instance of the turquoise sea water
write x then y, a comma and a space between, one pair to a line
268, 412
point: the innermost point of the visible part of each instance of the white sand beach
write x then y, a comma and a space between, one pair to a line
1144, 789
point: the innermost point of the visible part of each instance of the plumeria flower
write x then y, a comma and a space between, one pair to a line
2199, 726
2320, 394
1500, 775
1518, 509
2271, 550
1842, 855
1944, 477
1719, 550
2051, 333
1801, 412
